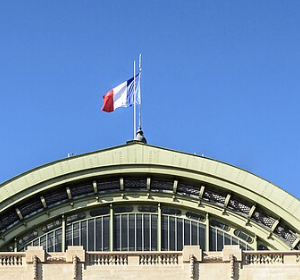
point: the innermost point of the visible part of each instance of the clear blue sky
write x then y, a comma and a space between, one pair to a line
220, 78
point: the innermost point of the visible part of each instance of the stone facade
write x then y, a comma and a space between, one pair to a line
191, 263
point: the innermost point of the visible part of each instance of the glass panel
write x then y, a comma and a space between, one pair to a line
194, 234
91, 235
154, 232
164, 233
146, 208
263, 247
122, 209
179, 234
171, 211
171, 233
219, 225
212, 239
227, 239
99, 234
139, 232
146, 232
202, 231
117, 231
58, 240
249, 248
124, 232
76, 234
243, 246
132, 232
194, 216
187, 232
243, 236
43, 242
84, 234
220, 242
99, 212
76, 217
69, 236
51, 226
50, 242
234, 241
36, 242
106, 233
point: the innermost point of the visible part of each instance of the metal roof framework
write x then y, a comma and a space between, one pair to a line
140, 173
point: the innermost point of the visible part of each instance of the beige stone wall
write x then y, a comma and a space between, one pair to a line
192, 263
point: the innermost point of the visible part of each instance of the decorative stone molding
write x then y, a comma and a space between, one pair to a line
75, 250
37, 251
107, 259
162, 258
56, 259
11, 259
192, 250
232, 261
156, 264
263, 258
213, 259
75, 267
192, 267
35, 267
232, 250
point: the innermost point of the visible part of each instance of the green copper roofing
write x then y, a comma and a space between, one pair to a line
138, 158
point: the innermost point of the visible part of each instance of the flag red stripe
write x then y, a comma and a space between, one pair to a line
108, 102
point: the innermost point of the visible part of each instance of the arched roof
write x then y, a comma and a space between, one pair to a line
236, 195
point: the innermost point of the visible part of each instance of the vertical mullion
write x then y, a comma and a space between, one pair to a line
102, 232
87, 233
190, 232
183, 233
217, 239
72, 235
175, 233
53, 243
159, 227
120, 225
207, 230
46, 249
198, 230
127, 232
54, 240
168, 233
63, 233
142, 232
150, 230
135, 229
111, 228
95, 234
79, 233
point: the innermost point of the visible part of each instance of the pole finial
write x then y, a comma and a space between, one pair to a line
140, 136
140, 63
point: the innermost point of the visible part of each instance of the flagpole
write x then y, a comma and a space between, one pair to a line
134, 101
140, 93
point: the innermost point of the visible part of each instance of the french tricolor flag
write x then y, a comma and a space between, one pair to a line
122, 95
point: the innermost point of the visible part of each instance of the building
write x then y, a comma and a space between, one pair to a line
138, 212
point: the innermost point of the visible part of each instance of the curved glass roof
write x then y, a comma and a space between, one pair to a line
138, 173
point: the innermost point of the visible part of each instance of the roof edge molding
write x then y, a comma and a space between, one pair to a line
137, 157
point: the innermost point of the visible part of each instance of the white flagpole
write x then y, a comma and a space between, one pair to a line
140, 93
134, 101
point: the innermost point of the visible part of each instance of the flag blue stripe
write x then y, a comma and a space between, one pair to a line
130, 90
